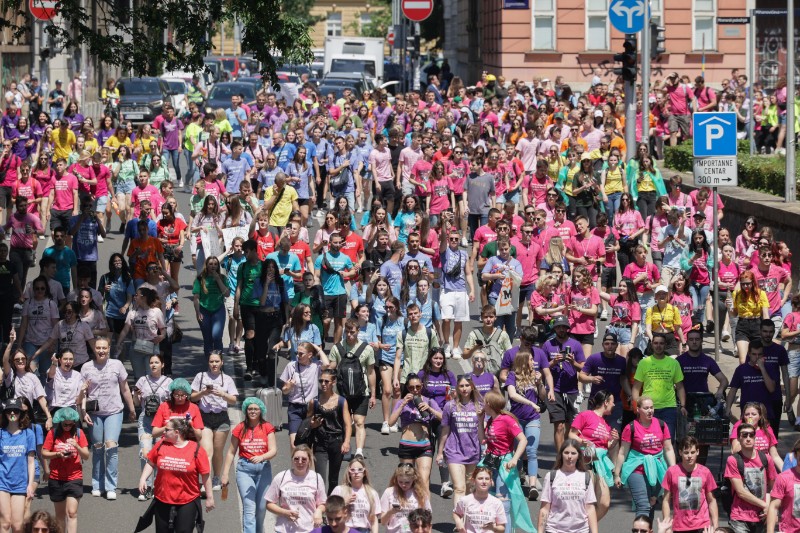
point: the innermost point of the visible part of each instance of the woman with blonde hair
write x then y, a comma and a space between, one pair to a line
405, 493
297, 495
523, 393
556, 254
363, 500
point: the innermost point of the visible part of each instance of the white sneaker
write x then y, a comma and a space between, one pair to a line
604, 314
464, 242
216, 484
142, 497
96, 493
111, 495
360, 209
726, 335
456, 353
100, 238
385, 428
447, 352
330, 204
447, 490
394, 429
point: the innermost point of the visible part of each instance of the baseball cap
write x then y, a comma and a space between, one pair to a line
12, 404
673, 75
661, 288
585, 156
561, 321
58, 82
558, 115
699, 214
598, 113
611, 337
491, 77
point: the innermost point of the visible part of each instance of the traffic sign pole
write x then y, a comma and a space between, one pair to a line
630, 115
791, 180
715, 274
646, 44
751, 78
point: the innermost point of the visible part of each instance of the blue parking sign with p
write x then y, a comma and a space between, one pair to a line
714, 134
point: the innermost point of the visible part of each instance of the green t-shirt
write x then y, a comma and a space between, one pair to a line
196, 203
190, 134
415, 349
658, 377
213, 299
366, 359
246, 280
490, 250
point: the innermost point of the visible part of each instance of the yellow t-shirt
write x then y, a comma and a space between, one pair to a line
143, 145
63, 142
92, 145
746, 307
282, 210
666, 320
571, 171
646, 185
114, 143
613, 181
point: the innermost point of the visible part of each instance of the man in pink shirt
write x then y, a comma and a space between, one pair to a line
408, 157
705, 97
560, 226
63, 198
527, 148
143, 191
529, 254
535, 186
773, 280
488, 116
680, 99
24, 227
380, 164
585, 248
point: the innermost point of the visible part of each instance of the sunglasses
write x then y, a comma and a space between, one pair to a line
747, 435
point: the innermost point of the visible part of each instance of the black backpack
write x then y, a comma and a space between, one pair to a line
726, 491
349, 374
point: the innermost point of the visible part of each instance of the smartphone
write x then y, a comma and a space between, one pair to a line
209, 387
396, 505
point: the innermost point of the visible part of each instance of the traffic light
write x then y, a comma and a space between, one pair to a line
658, 36
627, 59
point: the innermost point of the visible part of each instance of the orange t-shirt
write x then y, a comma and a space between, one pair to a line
142, 252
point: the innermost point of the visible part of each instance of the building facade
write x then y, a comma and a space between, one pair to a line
341, 17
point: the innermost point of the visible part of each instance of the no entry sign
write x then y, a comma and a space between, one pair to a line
416, 10
43, 9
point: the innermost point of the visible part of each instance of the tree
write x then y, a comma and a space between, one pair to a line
380, 21
131, 38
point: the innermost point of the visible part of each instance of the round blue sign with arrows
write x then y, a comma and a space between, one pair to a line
628, 16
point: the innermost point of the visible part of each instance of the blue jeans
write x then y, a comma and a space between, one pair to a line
174, 156
670, 417
612, 206
212, 328
533, 430
192, 172
56, 113
145, 427
105, 459
507, 322
699, 295
641, 493
43, 362
253, 481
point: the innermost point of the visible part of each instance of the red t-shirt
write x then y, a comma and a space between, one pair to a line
178, 468
171, 231
254, 441
167, 411
352, 247
67, 468
303, 252
266, 244
500, 435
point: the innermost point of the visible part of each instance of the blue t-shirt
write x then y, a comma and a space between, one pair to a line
84, 243
275, 296
422, 258
368, 333
429, 311
65, 260
390, 332
235, 170
132, 228
309, 334
332, 281
233, 118
284, 154
495, 265
393, 273
406, 222
290, 261
117, 296
14, 459
231, 265
359, 295
296, 171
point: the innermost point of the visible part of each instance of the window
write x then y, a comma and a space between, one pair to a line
656, 12
704, 36
544, 25
365, 19
333, 26
597, 25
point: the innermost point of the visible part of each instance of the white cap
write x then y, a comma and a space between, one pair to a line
661, 288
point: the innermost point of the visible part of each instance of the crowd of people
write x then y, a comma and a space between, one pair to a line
349, 237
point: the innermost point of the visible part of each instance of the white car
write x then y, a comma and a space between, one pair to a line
178, 89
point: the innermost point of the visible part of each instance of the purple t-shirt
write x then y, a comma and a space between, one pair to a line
775, 356
609, 369
435, 386
462, 446
565, 375
171, 131
104, 385
750, 382
696, 371
410, 414
483, 383
539, 358
524, 413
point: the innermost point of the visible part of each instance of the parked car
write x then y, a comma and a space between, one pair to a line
231, 65
337, 90
142, 99
214, 66
220, 94
178, 90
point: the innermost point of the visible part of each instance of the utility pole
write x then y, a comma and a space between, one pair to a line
791, 180
646, 44
751, 78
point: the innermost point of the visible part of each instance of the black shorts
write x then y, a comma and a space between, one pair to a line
525, 294
459, 197
563, 409
248, 315
61, 490
297, 413
406, 451
216, 421
358, 405
303, 201
5, 197
336, 306
748, 329
59, 219
608, 277
583, 338
387, 190
172, 253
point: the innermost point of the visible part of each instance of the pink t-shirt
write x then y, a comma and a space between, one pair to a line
30, 189
628, 222
688, 492
408, 157
476, 513
770, 283
360, 509
303, 494
624, 311
456, 175
103, 174
720, 204
756, 478
610, 257
215, 188
537, 300
583, 324
684, 304
529, 257
527, 149
792, 323
655, 227
699, 273
566, 230
591, 248
568, 497
646, 440
382, 160
537, 189
421, 170
440, 196
64, 189
764, 439
85, 172
593, 428
20, 236
147, 193
633, 270
483, 236
728, 274
500, 434
550, 212
399, 519
787, 489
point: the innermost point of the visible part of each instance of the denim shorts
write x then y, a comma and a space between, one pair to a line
124, 187
623, 334
794, 361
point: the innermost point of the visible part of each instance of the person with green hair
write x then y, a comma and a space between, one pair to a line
254, 440
66, 446
178, 406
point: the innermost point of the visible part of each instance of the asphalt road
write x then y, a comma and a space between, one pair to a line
97, 514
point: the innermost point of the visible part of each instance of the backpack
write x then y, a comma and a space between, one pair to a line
726, 491
349, 374
152, 401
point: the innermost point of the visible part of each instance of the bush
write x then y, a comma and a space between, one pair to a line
756, 172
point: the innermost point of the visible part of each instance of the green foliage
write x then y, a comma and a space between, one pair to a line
300, 11
756, 172
131, 38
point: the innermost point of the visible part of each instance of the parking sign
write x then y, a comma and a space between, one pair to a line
714, 134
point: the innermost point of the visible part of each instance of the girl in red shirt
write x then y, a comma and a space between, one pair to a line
254, 440
66, 447
172, 232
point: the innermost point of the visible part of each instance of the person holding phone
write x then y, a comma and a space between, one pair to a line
332, 425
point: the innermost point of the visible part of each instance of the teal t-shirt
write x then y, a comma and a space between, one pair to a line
332, 281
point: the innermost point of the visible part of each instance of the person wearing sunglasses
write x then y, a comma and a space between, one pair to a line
643, 524
688, 491
16, 464
752, 476
363, 500
783, 496
774, 280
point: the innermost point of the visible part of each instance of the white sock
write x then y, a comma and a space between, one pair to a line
359, 451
